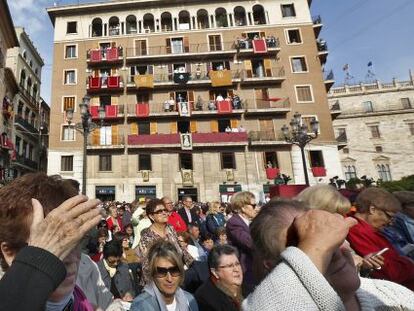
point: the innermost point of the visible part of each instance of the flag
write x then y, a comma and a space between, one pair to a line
346, 67
370, 64
181, 78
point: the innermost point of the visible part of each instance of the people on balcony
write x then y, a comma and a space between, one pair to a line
211, 105
236, 102
219, 98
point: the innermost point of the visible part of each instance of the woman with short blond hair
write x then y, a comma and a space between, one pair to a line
215, 219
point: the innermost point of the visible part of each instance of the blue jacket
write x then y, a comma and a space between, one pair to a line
214, 222
400, 233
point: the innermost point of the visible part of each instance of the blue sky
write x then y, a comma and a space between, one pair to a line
357, 31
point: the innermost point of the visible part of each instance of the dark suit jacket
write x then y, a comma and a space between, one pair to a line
194, 217
238, 234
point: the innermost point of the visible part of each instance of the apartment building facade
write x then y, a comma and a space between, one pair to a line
8, 89
374, 126
188, 101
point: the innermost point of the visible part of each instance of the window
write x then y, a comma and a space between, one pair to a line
375, 133
341, 135
68, 133
105, 163
144, 162
177, 45
406, 103
224, 124
228, 160
144, 128
68, 103
345, 150
411, 128
270, 159
368, 107
316, 158
185, 161
293, 36
299, 64
384, 172
214, 42
66, 163
304, 93
70, 77
378, 149
72, 27
184, 126
288, 10
350, 172
307, 120
70, 51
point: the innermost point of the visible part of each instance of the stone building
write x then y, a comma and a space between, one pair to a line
8, 88
192, 96
374, 126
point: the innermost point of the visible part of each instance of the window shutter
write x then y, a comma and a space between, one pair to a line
173, 128
96, 139
96, 73
214, 126
234, 123
262, 34
114, 100
186, 45
153, 128
115, 135
168, 46
193, 126
95, 101
268, 67
134, 128
230, 93
248, 68
190, 96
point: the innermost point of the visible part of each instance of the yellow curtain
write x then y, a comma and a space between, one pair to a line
173, 128
153, 128
134, 128
193, 126
234, 123
214, 126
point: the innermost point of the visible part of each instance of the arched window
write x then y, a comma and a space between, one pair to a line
97, 27
20, 109
166, 21
23, 78
29, 85
33, 118
202, 19
384, 172
259, 16
149, 25
35, 90
240, 16
350, 172
131, 24
184, 20
221, 18
25, 55
114, 26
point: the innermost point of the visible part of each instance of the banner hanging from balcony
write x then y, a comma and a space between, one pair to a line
181, 77
187, 177
184, 109
144, 81
259, 46
220, 78
224, 106
186, 141
96, 55
142, 110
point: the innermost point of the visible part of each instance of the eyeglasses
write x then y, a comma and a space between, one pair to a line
253, 205
161, 272
160, 211
230, 266
389, 215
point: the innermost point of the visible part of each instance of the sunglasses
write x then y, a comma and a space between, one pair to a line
161, 272
160, 211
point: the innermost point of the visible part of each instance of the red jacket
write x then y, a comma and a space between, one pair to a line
364, 240
177, 222
111, 224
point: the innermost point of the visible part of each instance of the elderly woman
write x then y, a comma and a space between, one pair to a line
215, 219
159, 230
166, 274
224, 290
238, 233
114, 221
307, 266
16, 213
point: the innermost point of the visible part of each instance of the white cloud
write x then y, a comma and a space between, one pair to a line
30, 14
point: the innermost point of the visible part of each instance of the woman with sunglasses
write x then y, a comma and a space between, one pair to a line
159, 230
166, 274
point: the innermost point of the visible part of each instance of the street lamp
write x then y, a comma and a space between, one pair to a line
299, 135
85, 127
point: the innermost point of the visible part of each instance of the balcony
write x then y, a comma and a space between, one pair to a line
268, 106
342, 140
111, 141
335, 110
265, 138
329, 80
269, 45
111, 112
199, 140
261, 75
24, 162
25, 126
98, 84
322, 50
105, 56
318, 171
317, 25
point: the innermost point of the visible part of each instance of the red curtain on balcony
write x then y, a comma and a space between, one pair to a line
259, 46
142, 110
112, 54
94, 82
224, 106
94, 112
111, 111
319, 171
96, 55
113, 82
272, 172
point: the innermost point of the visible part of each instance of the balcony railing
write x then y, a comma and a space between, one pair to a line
322, 45
25, 124
111, 111
335, 107
265, 136
329, 75
263, 73
107, 141
98, 83
342, 138
269, 103
317, 20
109, 54
244, 44
22, 160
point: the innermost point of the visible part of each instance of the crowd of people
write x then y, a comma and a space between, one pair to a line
317, 251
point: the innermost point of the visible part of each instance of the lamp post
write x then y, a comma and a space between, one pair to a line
85, 127
299, 135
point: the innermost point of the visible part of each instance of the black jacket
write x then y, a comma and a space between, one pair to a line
123, 279
28, 283
194, 217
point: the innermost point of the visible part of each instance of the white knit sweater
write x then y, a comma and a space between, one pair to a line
296, 284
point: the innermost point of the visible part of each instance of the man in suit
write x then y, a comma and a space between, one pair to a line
187, 213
